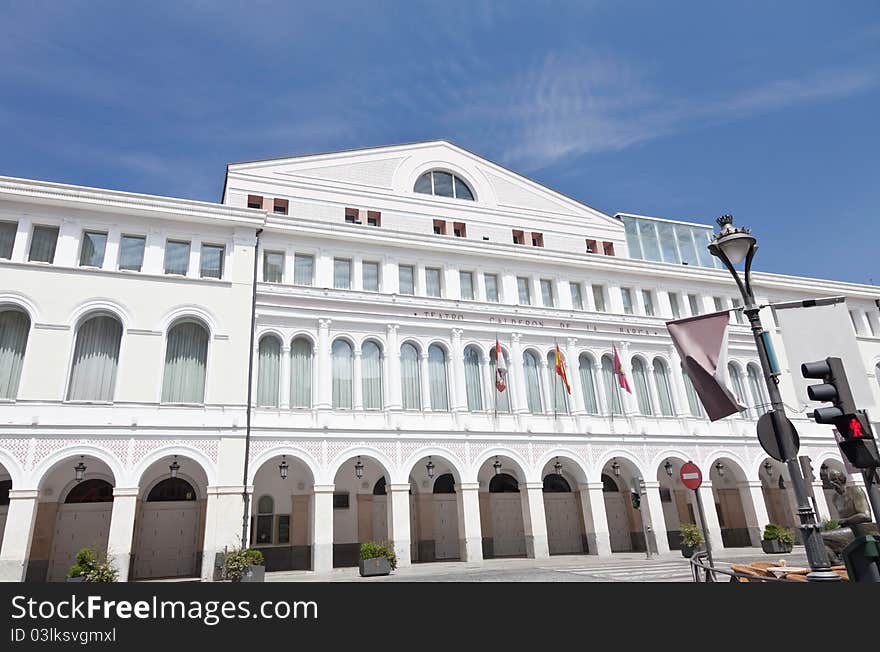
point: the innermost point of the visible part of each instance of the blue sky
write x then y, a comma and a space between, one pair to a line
768, 110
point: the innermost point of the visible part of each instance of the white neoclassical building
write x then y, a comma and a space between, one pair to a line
384, 277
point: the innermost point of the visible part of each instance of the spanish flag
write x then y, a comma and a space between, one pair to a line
560, 369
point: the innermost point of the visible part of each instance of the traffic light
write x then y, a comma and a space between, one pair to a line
853, 425
636, 499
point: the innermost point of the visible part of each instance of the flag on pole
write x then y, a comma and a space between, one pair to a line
560, 369
618, 371
702, 344
500, 368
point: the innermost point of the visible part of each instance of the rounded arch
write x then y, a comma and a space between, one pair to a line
51, 462
207, 465
522, 467
96, 307
92, 490
556, 483
443, 181
589, 356
270, 332
14, 300
503, 483
442, 345
13, 468
671, 453
368, 339
414, 343
189, 312
619, 454
456, 466
177, 489
303, 335
582, 471
388, 467
477, 349
292, 452
730, 464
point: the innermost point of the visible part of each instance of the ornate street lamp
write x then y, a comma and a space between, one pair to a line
558, 467
668, 467
497, 467
823, 473
174, 467
719, 467
615, 467
430, 467
80, 470
359, 468
768, 468
732, 246
284, 467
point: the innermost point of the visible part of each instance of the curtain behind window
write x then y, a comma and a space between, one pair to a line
661, 379
472, 381
560, 396
268, 371
14, 327
502, 399
533, 382
410, 378
437, 378
342, 374
738, 388
611, 385
301, 373
186, 357
588, 384
643, 397
758, 400
95, 359
371, 376
694, 404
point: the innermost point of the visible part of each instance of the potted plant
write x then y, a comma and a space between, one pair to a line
830, 524
691, 539
244, 565
376, 559
777, 539
92, 567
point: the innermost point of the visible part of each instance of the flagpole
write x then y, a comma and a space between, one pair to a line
555, 376
495, 377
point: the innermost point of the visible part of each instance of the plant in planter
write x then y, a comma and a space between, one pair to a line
691, 539
376, 559
244, 565
830, 524
92, 567
777, 539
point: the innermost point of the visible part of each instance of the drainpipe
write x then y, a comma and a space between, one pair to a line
250, 375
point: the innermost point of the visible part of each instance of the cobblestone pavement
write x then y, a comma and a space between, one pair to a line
622, 567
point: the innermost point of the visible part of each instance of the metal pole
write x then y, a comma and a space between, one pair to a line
702, 514
250, 377
873, 491
639, 493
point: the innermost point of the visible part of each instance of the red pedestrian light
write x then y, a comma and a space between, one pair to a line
855, 428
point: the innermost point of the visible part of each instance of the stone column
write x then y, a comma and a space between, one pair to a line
712, 526
357, 381
488, 384
425, 381
322, 528
325, 390
470, 535
16, 548
393, 399
652, 389
534, 520
680, 404
751, 494
518, 386
656, 518
459, 396
223, 519
595, 519
572, 366
284, 399
398, 522
121, 539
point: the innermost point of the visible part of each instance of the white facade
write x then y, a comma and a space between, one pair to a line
350, 365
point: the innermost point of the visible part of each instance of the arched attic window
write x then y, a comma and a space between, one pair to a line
443, 184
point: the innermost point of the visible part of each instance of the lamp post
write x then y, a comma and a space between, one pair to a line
732, 246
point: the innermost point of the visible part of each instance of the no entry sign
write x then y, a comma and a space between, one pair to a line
691, 476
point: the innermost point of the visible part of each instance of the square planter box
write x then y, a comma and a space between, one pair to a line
76, 579
775, 547
254, 574
375, 566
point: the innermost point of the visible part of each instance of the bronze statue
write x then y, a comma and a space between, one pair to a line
854, 516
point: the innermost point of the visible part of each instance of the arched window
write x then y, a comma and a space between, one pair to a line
410, 377
371, 376
612, 386
503, 483
268, 371
588, 384
444, 484
661, 379
95, 359
437, 378
472, 380
608, 484
694, 404
502, 399
265, 519
301, 373
738, 389
556, 484
640, 379
5, 488
186, 358
172, 490
342, 374
380, 488
756, 387
560, 396
533, 382
90, 491
443, 184
14, 327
